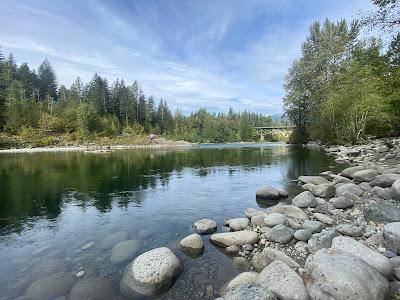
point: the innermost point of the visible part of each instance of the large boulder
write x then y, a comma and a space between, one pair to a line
280, 234
385, 180
391, 234
192, 244
151, 273
348, 187
383, 193
333, 274
238, 223
396, 189
305, 199
290, 211
348, 172
124, 250
50, 287
93, 288
268, 193
205, 226
283, 281
325, 190
313, 179
274, 254
366, 254
249, 278
365, 175
238, 238
323, 239
382, 212
248, 292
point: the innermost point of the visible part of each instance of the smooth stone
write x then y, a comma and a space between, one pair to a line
248, 292
290, 211
332, 274
350, 230
80, 274
342, 202
274, 219
396, 189
366, 254
383, 193
283, 193
382, 212
313, 226
302, 235
325, 190
241, 264
323, 218
275, 254
260, 261
258, 220
385, 180
93, 288
238, 223
280, 234
109, 241
313, 179
51, 286
350, 188
192, 244
391, 234
47, 267
365, 175
348, 172
238, 238
251, 212
205, 226
323, 239
151, 273
307, 187
232, 249
389, 254
268, 193
249, 278
283, 281
365, 186
305, 199
124, 251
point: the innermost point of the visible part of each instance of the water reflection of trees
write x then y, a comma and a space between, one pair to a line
38, 184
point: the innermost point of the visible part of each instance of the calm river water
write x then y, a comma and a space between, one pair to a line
58, 210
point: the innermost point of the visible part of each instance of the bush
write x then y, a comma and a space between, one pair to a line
48, 123
87, 118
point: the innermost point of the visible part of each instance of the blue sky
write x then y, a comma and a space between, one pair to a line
193, 53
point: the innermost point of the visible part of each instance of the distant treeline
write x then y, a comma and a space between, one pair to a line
343, 88
33, 103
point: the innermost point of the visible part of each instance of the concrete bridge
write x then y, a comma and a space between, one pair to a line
265, 130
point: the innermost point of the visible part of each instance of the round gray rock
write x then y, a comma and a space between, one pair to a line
280, 234
396, 189
249, 278
342, 202
93, 288
205, 226
305, 199
248, 292
112, 239
313, 179
302, 235
284, 282
385, 180
192, 244
151, 273
350, 230
268, 193
260, 261
238, 223
325, 190
313, 226
333, 274
365, 175
274, 219
391, 234
290, 211
323, 218
348, 187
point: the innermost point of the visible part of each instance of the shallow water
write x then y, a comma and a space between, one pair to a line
52, 204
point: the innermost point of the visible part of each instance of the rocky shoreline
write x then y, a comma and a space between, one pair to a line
338, 239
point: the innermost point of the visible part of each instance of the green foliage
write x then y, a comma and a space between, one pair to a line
51, 124
87, 118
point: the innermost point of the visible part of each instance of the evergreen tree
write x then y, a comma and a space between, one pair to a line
141, 107
48, 81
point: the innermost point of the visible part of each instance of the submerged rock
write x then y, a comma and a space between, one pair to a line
268, 193
124, 251
51, 286
333, 274
205, 226
151, 273
109, 241
238, 238
93, 288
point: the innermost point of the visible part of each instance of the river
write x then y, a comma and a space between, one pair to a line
57, 210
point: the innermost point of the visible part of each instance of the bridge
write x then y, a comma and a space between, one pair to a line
265, 130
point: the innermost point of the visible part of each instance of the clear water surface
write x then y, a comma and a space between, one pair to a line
52, 204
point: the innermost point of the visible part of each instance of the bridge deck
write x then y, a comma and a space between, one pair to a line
275, 127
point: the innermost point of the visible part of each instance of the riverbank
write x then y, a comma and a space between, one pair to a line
103, 146
337, 239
